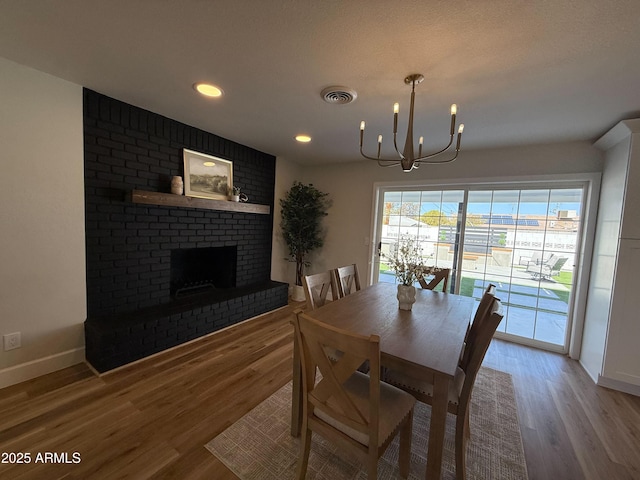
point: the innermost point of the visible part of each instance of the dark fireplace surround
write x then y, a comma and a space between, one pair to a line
159, 276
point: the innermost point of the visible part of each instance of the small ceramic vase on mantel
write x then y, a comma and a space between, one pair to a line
406, 296
177, 186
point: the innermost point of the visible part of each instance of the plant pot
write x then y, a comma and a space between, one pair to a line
406, 296
297, 293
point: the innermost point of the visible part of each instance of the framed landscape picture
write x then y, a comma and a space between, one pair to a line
207, 176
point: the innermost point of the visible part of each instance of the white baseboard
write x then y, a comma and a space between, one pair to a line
42, 366
618, 385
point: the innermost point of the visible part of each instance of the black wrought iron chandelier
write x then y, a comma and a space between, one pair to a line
407, 158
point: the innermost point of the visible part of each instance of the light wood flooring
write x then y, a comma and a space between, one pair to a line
152, 419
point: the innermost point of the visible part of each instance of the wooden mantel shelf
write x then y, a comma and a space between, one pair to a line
171, 200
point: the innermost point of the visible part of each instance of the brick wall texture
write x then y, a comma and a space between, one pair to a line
128, 246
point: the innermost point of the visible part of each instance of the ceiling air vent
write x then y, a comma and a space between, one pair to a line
338, 95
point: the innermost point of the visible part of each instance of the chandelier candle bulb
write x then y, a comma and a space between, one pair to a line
379, 144
459, 136
361, 132
454, 111
396, 109
420, 142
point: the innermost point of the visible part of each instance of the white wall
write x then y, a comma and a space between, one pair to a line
351, 187
42, 279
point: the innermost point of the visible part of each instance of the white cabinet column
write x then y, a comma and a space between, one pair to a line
610, 352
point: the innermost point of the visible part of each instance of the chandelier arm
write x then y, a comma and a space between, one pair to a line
395, 145
393, 164
436, 162
430, 155
377, 159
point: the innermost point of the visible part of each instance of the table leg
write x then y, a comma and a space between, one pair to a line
437, 427
296, 392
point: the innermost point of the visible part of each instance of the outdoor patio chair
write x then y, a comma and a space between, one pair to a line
548, 269
536, 257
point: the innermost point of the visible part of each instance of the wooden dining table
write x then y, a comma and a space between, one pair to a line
424, 342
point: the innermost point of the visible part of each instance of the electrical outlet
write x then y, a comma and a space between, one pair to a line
12, 340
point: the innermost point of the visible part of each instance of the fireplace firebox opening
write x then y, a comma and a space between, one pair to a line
197, 270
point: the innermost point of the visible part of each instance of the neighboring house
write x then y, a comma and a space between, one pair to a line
399, 225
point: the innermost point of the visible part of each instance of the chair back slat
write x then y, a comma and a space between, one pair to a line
347, 279
481, 313
479, 346
317, 288
438, 277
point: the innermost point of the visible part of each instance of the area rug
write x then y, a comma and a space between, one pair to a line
259, 445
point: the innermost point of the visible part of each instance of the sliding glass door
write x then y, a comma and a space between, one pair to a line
424, 215
523, 240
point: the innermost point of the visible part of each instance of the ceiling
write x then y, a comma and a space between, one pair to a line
520, 72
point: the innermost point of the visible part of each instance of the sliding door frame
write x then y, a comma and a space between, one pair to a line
589, 182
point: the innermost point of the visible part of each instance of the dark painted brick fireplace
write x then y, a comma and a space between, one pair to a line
132, 311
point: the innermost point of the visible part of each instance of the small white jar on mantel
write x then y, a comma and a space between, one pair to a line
177, 186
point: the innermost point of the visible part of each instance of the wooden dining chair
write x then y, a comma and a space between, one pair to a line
461, 387
317, 288
347, 279
479, 316
438, 277
357, 412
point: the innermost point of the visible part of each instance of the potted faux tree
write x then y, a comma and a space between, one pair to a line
302, 209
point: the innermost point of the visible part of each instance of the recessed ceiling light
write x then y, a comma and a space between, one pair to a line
209, 164
303, 138
208, 90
